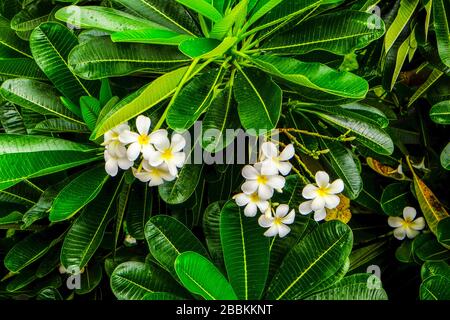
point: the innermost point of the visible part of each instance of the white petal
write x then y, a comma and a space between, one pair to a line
122, 127
250, 210
336, 187
107, 155
160, 137
147, 150
322, 179
281, 210
269, 150
265, 192
111, 167
250, 187
172, 169
309, 191
276, 182
156, 182
128, 137
409, 213
263, 205
268, 167
289, 219
133, 151
411, 233
305, 207
318, 203
249, 172
287, 153
178, 142
400, 233
272, 232
124, 163
265, 221
283, 230
241, 199
395, 222
284, 168
143, 124
178, 159
155, 158
319, 215
418, 224
331, 201
142, 176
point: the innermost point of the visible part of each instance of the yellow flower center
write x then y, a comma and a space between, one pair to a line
115, 135
322, 192
143, 139
167, 154
261, 179
406, 224
254, 197
278, 221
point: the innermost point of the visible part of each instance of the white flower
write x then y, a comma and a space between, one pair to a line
277, 223
407, 226
155, 176
322, 196
168, 152
273, 162
252, 203
114, 162
141, 141
111, 140
305, 208
258, 182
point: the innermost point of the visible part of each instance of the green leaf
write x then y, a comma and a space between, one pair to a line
11, 120
395, 197
90, 109
78, 193
51, 44
158, 296
167, 238
200, 276
32, 15
204, 8
102, 18
245, 250
435, 288
90, 278
445, 157
441, 11
427, 248
56, 125
319, 255
38, 156
354, 287
36, 96
430, 269
133, 280
443, 232
340, 33
314, 75
193, 100
150, 36
10, 42
138, 211
259, 99
167, 13
404, 14
21, 68
205, 48
370, 114
222, 27
179, 190
440, 112
159, 90
119, 59
211, 229
434, 76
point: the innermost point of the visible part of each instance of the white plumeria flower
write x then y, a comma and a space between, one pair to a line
277, 223
407, 226
252, 203
140, 142
258, 182
273, 162
111, 140
155, 176
168, 152
114, 162
305, 208
322, 196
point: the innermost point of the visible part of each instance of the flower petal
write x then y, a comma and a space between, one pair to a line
269, 150
418, 224
318, 203
395, 222
143, 125
156, 181
241, 199
263, 205
276, 182
265, 221
178, 159
128, 137
305, 207
281, 210
284, 168
178, 142
124, 163
159, 137
409, 213
249, 172
283, 230
331, 201
400, 233
250, 187
319, 215
142, 176
111, 167
133, 151
287, 153
336, 187
147, 150
309, 191
265, 192
272, 232
411, 233
322, 179
250, 210
173, 170
289, 219
268, 167
155, 158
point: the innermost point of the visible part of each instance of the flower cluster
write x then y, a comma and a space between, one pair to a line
262, 179
322, 196
407, 226
161, 156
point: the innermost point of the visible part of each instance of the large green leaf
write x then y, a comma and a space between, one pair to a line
139, 208
314, 75
10, 42
38, 156
395, 197
78, 193
445, 157
441, 16
167, 238
102, 18
259, 99
36, 96
440, 112
404, 14
20, 68
167, 13
204, 8
193, 100
211, 229
223, 26
340, 33
11, 120
318, 256
245, 250
179, 190
51, 44
200, 276
150, 36
31, 16
119, 59
435, 288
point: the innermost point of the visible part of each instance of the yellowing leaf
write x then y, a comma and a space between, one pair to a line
385, 170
